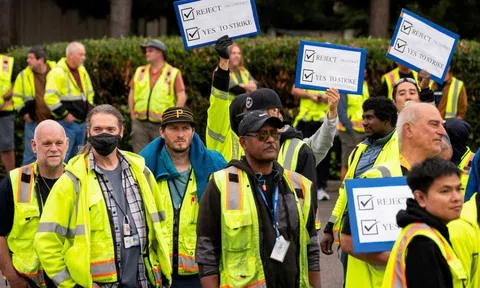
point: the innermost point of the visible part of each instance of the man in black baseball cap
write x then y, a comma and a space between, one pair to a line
154, 88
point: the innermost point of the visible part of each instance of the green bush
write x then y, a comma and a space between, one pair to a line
272, 61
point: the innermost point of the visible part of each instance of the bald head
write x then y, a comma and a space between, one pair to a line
75, 54
420, 126
50, 143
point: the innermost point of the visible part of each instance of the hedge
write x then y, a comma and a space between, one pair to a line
272, 61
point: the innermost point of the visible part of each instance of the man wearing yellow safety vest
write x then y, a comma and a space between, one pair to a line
420, 132
451, 97
256, 227
8, 73
380, 146
458, 131
153, 88
181, 165
69, 95
312, 112
28, 93
389, 78
464, 235
22, 196
241, 81
423, 255
351, 130
102, 221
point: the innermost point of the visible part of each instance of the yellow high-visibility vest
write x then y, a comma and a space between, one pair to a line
452, 98
395, 271
311, 111
6, 70
240, 229
151, 103
464, 166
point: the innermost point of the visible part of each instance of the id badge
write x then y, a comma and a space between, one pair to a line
280, 249
131, 241
126, 229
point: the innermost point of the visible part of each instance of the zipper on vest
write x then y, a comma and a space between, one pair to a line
112, 231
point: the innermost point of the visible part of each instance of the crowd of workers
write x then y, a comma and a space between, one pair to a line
239, 210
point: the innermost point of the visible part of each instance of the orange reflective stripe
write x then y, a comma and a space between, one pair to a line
187, 262
156, 274
38, 277
103, 268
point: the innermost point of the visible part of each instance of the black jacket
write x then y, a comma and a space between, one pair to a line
208, 251
425, 264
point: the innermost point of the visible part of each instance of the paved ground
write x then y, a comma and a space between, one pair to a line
332, 272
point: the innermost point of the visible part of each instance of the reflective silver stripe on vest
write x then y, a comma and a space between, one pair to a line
216, 136
158, 216
397, 282
52, 227
296, 180
219, 94
235, 147
384, 171
102, 269
53, 91
453, 113
55, 106
61, 277
76, 185
287, 164
233, 190
187, 263
25, 186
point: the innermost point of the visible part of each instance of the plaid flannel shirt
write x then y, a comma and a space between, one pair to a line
135, 203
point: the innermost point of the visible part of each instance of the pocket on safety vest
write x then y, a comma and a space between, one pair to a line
242, 273
96, 216
28, 219
237, 235
26, 262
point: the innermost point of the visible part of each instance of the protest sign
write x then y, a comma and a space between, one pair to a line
202, 22
321, 66
422, 45
373, 205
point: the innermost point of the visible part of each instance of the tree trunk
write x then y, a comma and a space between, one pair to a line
379, 18
6, 27
120, 17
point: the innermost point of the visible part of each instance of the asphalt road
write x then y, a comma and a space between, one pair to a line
331, 268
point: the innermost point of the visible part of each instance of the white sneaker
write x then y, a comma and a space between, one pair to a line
322, 195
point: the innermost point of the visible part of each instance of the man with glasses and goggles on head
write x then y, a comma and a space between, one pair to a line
256, 218
407, 89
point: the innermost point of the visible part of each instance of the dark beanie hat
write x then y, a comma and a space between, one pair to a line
263, 99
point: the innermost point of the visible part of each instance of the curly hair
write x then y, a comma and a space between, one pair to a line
383, 108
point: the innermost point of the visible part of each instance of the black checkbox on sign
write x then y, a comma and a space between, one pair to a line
188, 14
309, 56
369, 227
307, 75
365, 202
193, 33
400, 45
406, 27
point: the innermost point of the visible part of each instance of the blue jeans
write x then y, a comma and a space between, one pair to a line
28, 155
76, 135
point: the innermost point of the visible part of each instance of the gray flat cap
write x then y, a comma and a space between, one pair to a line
155, 44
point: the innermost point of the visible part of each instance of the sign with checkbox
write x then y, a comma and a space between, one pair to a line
373, 205
321, 66
203, 22
422, 45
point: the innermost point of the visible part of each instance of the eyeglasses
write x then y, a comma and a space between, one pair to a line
403, 80
263, 135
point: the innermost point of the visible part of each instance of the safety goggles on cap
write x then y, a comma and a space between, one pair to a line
403, 80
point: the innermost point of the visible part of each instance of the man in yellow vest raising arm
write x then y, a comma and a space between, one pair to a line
22, 197
28, 93
423, 255
181, 165
69, 95
8, 73
451, 97
256, 225
154, 88
102, 221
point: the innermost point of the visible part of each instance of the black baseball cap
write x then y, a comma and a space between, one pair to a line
263, 99
254, 121
177, 114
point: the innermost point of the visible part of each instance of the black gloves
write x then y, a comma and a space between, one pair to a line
222, 46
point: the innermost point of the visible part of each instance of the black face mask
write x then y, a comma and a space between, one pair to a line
104, 143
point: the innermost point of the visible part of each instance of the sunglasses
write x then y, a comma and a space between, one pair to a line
403, 80
263, 135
